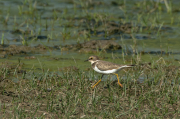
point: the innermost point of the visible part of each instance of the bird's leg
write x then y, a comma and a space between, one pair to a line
118, 79
98, 81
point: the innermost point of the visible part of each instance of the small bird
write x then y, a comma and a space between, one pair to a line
105, 67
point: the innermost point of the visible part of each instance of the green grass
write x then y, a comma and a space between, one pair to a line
50, 95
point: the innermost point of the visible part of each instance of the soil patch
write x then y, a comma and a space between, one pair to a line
93, 46
12, 50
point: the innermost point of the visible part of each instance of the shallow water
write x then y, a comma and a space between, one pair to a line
60, 23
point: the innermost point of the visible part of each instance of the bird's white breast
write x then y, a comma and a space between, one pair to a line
105, 72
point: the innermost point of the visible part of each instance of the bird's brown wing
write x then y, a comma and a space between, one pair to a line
104, 65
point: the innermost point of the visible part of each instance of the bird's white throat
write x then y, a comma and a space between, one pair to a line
93, 61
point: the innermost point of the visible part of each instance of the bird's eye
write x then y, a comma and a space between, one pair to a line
91, 58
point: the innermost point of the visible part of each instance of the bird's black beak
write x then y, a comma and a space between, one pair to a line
86, 60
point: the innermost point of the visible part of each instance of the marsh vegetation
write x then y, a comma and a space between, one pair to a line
44, 45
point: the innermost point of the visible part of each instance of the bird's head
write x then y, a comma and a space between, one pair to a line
93, 59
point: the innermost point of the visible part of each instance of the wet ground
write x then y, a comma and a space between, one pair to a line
65, 25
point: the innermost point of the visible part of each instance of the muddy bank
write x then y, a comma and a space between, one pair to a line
11, 50
159, 52
114, 27
93, 46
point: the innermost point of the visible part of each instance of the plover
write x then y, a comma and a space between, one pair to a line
105, 67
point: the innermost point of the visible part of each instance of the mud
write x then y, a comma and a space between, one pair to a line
93, 46
11, 50
159, 52
112, 28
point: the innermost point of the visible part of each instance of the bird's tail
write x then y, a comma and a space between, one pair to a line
130, 65
126, 66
